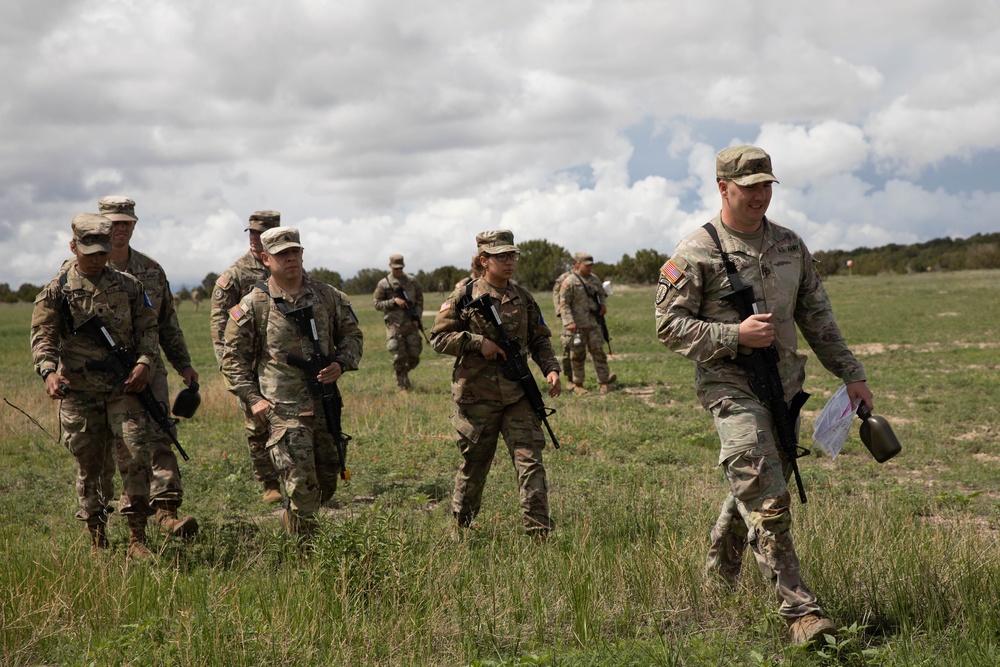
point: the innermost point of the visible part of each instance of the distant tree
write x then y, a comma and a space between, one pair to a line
208, 283
327, 276
364, 282
28, 292
541, 263
6, 296
184, 294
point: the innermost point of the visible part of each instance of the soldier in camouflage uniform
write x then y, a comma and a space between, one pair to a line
167, 491
231, 286
581, 301
259, 339
403, 339
489, 404
102, 423
564, 362
694, 320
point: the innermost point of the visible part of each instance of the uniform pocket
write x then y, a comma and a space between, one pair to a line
466, 427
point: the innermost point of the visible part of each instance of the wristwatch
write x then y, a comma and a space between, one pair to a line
46, 373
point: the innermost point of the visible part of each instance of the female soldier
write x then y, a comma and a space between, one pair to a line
489, 404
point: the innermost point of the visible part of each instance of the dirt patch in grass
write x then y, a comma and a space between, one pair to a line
870, 349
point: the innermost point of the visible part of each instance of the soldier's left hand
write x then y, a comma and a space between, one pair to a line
331, 373
860, 391
137, 379
555, 386
604, 310
190, 375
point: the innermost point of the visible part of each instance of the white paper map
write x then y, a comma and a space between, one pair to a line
834, 423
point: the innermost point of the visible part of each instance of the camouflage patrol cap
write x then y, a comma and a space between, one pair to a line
744, 165
396, 262
116, 208
583, 258
495, 242
277, 239
92, 233
261, 221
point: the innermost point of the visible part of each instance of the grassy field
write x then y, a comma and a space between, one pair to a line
904, 555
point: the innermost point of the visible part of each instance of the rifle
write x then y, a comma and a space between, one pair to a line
333, 403
602, 321
411, 310
120, 362
516, 366
762, 365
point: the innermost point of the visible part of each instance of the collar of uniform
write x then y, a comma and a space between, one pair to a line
732, 243
277, 291
504, 295
76, 280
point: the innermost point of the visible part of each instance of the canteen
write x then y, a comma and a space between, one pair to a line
187, 401
877, 435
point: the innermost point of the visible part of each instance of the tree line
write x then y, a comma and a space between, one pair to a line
543, 261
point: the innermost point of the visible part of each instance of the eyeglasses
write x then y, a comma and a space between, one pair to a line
504, 256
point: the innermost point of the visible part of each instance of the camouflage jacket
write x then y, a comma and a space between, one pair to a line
231, 286
461, 333
557, 292
117, 298
693, 320
259, 339
577, 303
397, 322
154, 282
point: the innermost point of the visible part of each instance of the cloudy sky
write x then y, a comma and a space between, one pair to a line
379, 127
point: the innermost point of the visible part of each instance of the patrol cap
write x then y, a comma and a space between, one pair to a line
583, 258
744, 165
277, 239
396, 261
116, 208
261, 221
92, 233
495, 242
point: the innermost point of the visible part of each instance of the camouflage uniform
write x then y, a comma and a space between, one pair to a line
167, 486
255, 362
578, 306
403, 339
234, 284
488, 404
564, 362
693, 320
100, 423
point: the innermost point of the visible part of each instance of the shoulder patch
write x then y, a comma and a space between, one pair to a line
223, 281
661, 292
445, 306
145, 298
672, 272
217, 294
237, 313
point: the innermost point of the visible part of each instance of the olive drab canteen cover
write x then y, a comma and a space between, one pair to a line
187, 401
878, 435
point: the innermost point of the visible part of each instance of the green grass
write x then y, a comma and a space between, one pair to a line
904, 555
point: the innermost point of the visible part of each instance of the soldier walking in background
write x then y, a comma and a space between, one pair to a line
488, 404
581, 301
564, 362
260, 343
167, 491
102, 422
196, 298
231, 286
695, 319
402, 328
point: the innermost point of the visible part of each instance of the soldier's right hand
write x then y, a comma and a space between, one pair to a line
260, 410
756, 331
55, 386
490, 350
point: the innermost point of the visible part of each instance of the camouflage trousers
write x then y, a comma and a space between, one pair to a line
101, 430
405, 350
166, 486
257, 437
304, 454
756, 510
479, 426
591, 340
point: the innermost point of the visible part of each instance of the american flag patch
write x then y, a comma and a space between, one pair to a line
671, 272
445, 306
236, 313
223, 281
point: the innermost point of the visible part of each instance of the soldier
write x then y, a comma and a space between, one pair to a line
489, 404
233, 285
196, 298
694, 320
581, 301
102, 422
167, 491
402, 333
260, 338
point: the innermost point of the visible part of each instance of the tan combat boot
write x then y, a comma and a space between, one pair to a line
609, 384
272, 492
805, 630
137, 548
167, 520
98, 535
579, 390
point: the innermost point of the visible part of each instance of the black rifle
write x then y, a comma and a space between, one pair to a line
333, 403
120, 362
602, 321
762, 366
411, 310
516, 366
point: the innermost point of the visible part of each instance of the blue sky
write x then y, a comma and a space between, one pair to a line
379, 127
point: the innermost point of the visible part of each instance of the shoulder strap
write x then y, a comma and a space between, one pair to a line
731, 271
